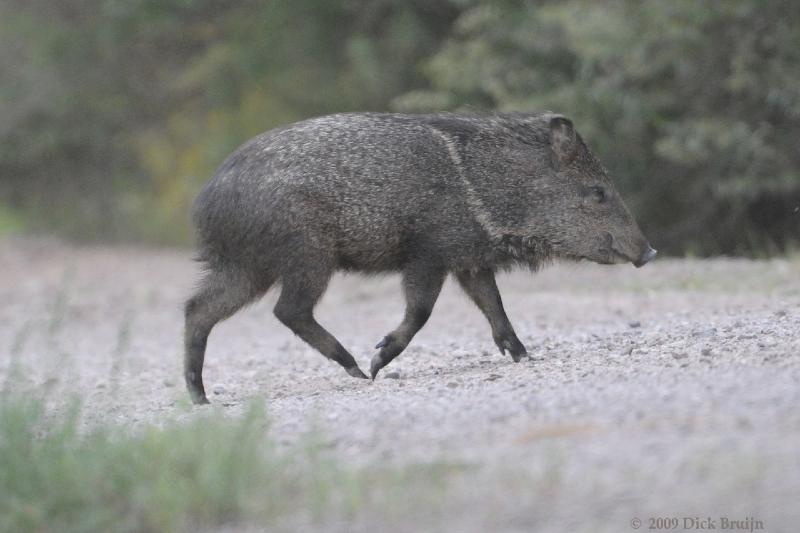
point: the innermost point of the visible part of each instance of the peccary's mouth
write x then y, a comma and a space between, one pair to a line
609, 253
609, 256
606, 254
616, 254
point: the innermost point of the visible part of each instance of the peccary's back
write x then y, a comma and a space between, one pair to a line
369, 189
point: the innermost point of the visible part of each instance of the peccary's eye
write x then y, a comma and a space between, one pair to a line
599, 193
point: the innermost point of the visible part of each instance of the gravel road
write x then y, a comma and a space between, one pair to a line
667, 391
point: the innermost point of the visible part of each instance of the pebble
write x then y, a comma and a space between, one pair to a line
452, 384
635, 324
705, 351
392, 375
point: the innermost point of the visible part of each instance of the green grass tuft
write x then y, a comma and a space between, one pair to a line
206, 473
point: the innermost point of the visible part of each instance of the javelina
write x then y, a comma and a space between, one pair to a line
424, 195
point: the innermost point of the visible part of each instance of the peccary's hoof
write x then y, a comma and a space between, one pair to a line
197, 392
517, 357
375, 365
515, 348
356, 372
199, 398
389, 349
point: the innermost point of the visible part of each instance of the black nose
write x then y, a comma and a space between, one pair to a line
647, 256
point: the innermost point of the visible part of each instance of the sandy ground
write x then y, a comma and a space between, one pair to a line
667, 391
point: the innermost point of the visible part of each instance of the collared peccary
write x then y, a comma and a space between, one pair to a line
424, 195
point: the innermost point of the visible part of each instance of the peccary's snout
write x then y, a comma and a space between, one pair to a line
646, 257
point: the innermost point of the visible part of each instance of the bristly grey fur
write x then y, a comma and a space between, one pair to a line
425, 195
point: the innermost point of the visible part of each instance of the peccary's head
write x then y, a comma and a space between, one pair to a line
574, 205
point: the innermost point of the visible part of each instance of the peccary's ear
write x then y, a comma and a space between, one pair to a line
563, 142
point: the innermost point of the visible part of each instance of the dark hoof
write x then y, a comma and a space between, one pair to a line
199, 399
514, 347
375, 365
390, 348
356, 372
194, 384
517, 357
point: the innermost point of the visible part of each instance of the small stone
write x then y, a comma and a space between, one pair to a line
169, 383
493, 377
680, 355
219, 389
452, 384
781, 312
705, 352
635, 324
392, 375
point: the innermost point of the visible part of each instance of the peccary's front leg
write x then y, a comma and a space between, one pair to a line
482, 289
421, 286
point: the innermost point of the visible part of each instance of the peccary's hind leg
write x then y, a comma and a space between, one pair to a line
295, 308
421, 286
482, 289
219, 296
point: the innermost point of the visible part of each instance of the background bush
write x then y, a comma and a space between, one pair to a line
115, 112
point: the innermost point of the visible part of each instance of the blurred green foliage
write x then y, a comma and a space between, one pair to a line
115, 112
212, 472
